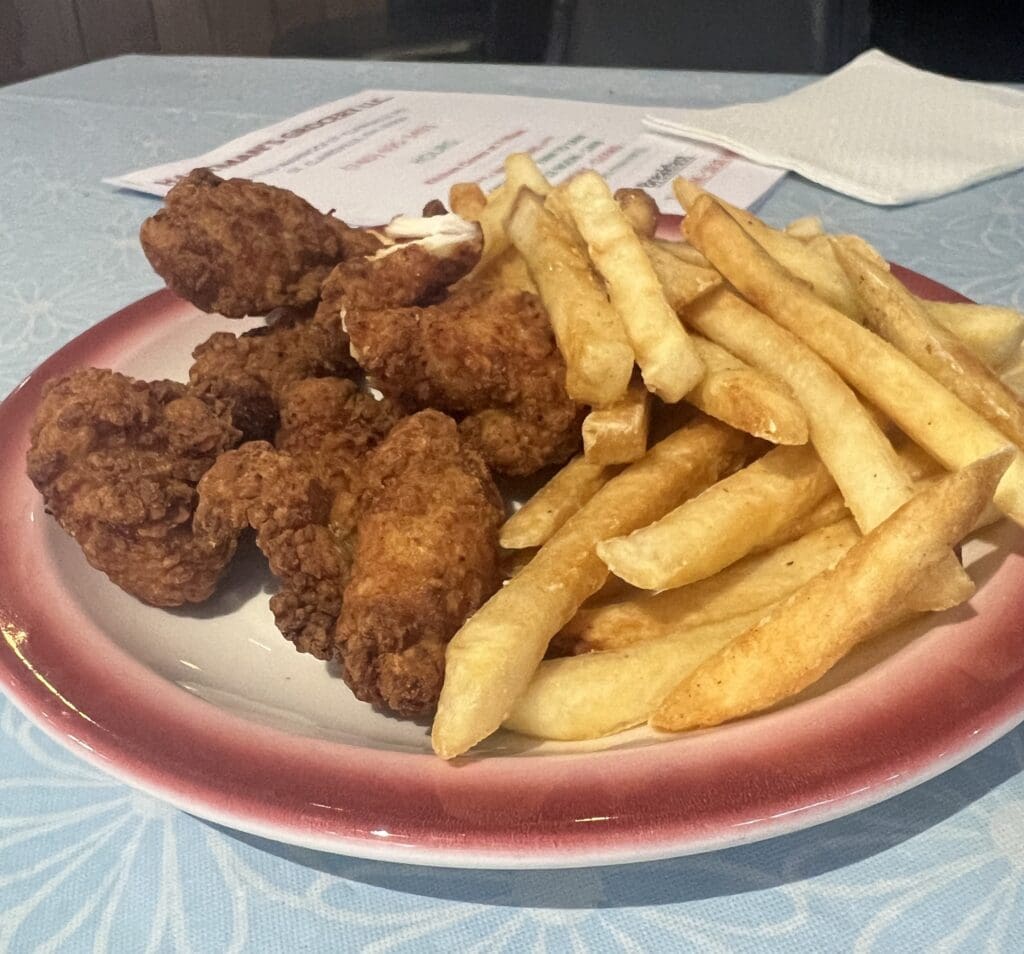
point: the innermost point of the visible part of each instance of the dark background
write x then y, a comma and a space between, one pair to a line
982, 39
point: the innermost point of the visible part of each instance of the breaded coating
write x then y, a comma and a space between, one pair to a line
300, 498
330, 425
488, 355
117, 462
409, 275
426, 558
243, 248
260, 487
249, 372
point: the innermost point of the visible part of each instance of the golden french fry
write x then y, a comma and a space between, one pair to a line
746, 399
493, 656
992, 332
664, 352
617, 434
812, 262
730, 390
534, 523
725, 523
681, 250
938, 421
851, 445
753, 583
683, 281
805, 636
804, 228
825, 244
467, 200
641, 210
524, 173
590, 335
919, 468
508, 271
521, 172
892, 312
586, 697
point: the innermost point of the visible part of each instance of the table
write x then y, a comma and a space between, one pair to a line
87, 864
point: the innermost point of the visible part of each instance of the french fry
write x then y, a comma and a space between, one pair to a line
712, 531
467, 200
508, 271
892, 312
992, 332
586, 697
804, 228
521, 172
534, 523
640, 209
730, 390
938, 421
664, 352
919, 468
617, 434
680, 249
493, 656
805, 636
590, 335
753, 583
851, 445
744, 398
812, 262
684, 282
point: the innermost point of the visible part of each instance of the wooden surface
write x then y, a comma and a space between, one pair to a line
41, 36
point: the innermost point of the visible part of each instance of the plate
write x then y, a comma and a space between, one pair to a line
211, 710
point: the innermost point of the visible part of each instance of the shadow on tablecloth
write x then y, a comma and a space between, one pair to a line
920, 821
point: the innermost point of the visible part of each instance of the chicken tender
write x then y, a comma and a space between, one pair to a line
403, 275
243, 248
117, 462
300, 497
260, 487
249, 372
486, 355
330, 425
426, 558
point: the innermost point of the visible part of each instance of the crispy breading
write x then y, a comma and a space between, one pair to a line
117, 462
249, 372
260, 487
486, 355
330, 425
243, 248
300, 498
408, 275
426, 558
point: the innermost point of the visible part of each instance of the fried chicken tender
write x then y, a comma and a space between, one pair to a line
257, 486
404, 275
249, 372
117, 462
243, 248
426, 558
330, 425
487, 355
300, 497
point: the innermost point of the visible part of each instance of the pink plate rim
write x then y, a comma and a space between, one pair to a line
928, 707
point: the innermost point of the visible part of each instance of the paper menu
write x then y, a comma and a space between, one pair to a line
382, 152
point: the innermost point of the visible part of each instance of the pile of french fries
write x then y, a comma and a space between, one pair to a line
828, 439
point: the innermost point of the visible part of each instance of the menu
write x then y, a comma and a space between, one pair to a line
383, 152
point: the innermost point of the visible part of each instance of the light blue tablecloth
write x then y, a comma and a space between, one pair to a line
88, 865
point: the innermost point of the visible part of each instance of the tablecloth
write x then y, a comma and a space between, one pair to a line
87, 864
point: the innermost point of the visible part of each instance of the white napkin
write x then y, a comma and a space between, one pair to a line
876, 129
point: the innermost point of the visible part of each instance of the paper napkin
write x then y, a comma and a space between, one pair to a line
876, 129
